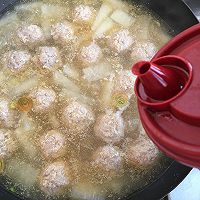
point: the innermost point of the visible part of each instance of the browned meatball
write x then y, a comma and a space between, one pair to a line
43, 98
53, 144
110, 127
141, 153
143, 51
54, 178
90, 53
84, 14
30, 34
107, 158
125, 82
17, 60
78, 116
48, 57
120, 41
63, 32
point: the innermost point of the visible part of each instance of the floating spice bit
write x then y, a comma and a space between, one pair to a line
2, 166
12, 189
119, 100
24, 104
13, 105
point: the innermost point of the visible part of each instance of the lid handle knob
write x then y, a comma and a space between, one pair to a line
161, 81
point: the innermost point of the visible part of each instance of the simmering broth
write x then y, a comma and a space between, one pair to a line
69, 122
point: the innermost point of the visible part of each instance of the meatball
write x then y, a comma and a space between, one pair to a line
30, 34
7, 143
53, 144
110, 127
16, 60
48, 57
143, 51
84, 14
43, 98
78, 116
62, 32
90, 53
141, 153
125, 82
54, 178
107, 158
120, 41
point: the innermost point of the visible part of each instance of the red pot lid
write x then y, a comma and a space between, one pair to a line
168, 91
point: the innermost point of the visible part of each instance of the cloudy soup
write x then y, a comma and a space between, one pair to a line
69, 125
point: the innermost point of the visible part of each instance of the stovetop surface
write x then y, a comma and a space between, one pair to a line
189, 189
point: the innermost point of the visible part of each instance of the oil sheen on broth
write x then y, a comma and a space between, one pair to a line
68, 114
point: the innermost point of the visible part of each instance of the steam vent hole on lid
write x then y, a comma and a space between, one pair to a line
161, 79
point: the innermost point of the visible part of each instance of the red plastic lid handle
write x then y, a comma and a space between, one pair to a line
161, 79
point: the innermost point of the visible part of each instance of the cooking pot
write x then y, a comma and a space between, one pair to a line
179, 16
